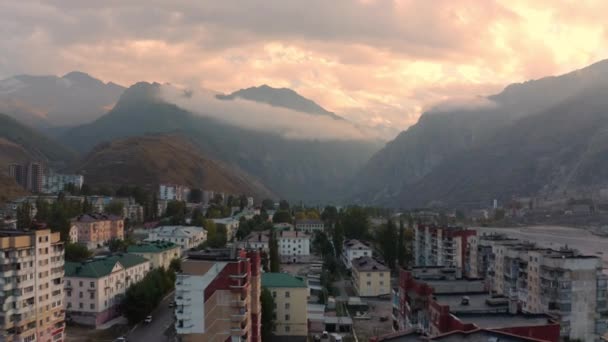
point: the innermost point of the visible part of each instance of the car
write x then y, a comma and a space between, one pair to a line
148, 320
121, 339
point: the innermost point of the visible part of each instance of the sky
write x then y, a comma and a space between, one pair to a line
377, 63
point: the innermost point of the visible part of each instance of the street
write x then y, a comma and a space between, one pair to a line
162, 319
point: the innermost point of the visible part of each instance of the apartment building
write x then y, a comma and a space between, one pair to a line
353, 249
95, 288
31, 286
218, 296
561, 282
370, 277
160, 253
293, 245
310, 226
256, 240
29, 176
453, 247
186, 237
291, 304
230, 223
173, 192
97, 229
54, 183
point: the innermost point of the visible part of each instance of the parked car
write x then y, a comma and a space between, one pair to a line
121, 339
148, 320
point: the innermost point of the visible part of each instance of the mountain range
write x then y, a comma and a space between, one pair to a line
542, 136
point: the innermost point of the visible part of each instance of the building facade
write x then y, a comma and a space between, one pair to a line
95, 288
218, 297
97, 229
256, 240
160, 253
370, 277
173, 192
231, 224
293, 245
31, 283
291, 304
310, 226
54, 183
453, 247
353, 249
186, 237
29, 176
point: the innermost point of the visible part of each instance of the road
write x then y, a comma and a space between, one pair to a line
555, 237
162, 319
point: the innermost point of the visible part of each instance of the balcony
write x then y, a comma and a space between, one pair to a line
238, 276
239, 329
239, 316
240, 303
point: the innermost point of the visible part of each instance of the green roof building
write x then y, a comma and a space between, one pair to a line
282, 280
160, 253
290, 294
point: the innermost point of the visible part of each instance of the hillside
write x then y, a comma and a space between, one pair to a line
309, 170
540, 135
9, 190
279, 97
51, 101
153, 159
20, 143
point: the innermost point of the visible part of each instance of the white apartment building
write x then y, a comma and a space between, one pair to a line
95, 288
353, 249
256, 240
452, 247
310, 226
186, 237
293, 245
173, 192
31, 286
560, 282
54, 183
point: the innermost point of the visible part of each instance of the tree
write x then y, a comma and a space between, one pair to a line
267, 204
85, 190
87, 207
43, 210
338, 238
195, 196
115, 207
214, 213
197, 219
211, 230
176, 210
273, 246
300, 215
143, 297
267, 305
76, 253
283, 205
176, 265
356, 223
312, 214
117, 245
24, 218
401, 245
388, 243
281, 216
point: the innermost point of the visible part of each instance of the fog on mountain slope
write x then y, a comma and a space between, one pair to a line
261, 116
451, 157
50, 101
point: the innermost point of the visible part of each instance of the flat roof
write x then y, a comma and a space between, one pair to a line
477, 303
494, 321
368, 264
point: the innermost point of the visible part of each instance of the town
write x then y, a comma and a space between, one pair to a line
181, 264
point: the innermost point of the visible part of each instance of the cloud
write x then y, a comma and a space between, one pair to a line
373, 61
265, 118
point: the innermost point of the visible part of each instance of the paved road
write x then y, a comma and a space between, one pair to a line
555, 237
162, 318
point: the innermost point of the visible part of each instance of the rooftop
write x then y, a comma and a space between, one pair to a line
497, 321
309, 222
355, 244
214, 254
151, 247
96, 218
367, 264
177, 230
293, 234
478, 303
282, 280
262, 236
101, 266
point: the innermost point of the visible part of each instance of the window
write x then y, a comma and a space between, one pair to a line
286, 294
381, 283
381, 274
369, 283
274, 294
68, 293
287, 317
80, 294
92, 284
80, 305
286, 305
369, 274
80, 283
91, 295
287, 328
92, 306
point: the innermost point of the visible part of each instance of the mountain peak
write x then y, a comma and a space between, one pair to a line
81, 77
279, 97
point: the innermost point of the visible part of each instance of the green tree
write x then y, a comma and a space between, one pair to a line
401, 252
118, 245
76, 253
284, 205
338, 238
388, 243
282, 216
24, 218
211, 228
267, 204
198, 219
267, 305
273, 246
176, 265
330, 215
176, 210
356, 223
115, 207
143, 297
214, 213
86, 190
87, 207
195, 196
43, 210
